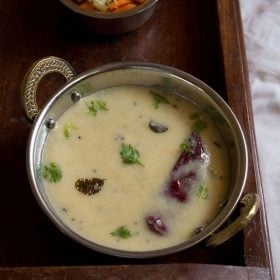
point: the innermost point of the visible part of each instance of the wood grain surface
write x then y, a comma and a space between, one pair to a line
140, 272
203, 38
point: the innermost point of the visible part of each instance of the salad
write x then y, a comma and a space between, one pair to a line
110, 6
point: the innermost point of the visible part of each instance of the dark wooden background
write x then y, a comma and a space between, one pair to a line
201, 37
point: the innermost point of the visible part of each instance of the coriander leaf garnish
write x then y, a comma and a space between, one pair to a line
67, 128
157, 98
186, 147
96, 105
51, 172
84, 88
129, 154
199, 126
195, 115
122, 232
201, 191
216, 117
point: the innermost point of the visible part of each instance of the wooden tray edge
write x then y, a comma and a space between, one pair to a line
234, 57
164, 272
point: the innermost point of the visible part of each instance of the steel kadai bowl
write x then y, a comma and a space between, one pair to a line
112, 23
135, 74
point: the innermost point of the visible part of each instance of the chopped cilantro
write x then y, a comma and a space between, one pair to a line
51, 172
199, 125
195, 115
122, 232
96, 105
216, 117
84, 88
186, 146
129, 154
157, 98
67, 128
201, 191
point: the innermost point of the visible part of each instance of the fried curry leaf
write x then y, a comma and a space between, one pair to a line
96, 105
157, 98
129, 154
89, 186
157, 127
122, 232
51, 172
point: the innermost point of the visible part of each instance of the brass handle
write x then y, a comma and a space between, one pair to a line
251, 204
33, 77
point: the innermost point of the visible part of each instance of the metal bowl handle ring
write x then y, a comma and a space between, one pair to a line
33, 77
250, 202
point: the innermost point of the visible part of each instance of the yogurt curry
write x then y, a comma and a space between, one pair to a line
135, 168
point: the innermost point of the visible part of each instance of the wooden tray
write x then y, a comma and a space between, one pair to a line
201, 37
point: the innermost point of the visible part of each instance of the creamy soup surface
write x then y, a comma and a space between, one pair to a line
87, 142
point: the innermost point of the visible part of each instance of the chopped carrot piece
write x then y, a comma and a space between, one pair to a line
126, 7
120, 3
86, 6
116, 4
